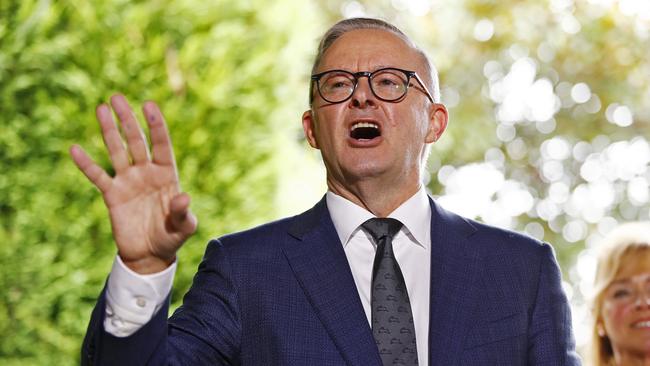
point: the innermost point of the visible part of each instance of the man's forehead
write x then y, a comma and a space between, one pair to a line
372, 39
374, 47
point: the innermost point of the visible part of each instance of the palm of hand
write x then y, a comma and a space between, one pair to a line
138, 203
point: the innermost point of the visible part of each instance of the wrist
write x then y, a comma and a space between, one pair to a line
148, 265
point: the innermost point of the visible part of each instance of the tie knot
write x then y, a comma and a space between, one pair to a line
381, 227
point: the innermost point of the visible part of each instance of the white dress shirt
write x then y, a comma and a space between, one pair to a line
133, 299
412, 247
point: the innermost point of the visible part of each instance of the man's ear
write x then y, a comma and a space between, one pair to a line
438, 119
308, 126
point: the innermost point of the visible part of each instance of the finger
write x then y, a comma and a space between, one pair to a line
161, 144
135, 139
92, 171
112, 138
181, 219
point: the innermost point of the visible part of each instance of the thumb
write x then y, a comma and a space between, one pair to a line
181, 219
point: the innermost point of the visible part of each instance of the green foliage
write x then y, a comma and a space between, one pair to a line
220, 71
231, 78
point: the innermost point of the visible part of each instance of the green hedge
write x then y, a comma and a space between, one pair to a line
226, 75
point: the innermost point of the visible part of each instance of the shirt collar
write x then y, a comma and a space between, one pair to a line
414, 213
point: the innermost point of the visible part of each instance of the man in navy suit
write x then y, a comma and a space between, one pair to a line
298, 291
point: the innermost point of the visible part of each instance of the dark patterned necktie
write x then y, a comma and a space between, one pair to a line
392, 319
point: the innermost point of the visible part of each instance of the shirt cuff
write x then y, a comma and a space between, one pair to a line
132, 299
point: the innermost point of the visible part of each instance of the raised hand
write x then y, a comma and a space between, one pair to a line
149, 216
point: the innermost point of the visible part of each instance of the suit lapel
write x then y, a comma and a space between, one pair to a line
318, 260
454, 274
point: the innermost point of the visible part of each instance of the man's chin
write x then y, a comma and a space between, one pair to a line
364, 170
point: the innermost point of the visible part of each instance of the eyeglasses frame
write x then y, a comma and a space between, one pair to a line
357, 75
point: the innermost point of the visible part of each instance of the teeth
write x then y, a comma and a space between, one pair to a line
644, 324
364, 124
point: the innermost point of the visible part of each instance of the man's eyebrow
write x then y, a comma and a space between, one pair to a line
374, 68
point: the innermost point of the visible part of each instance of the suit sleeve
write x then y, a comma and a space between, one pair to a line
205, 330
550, 339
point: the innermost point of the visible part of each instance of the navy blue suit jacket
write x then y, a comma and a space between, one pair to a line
283, 294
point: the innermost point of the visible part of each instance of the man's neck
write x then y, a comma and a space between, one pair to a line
380, 198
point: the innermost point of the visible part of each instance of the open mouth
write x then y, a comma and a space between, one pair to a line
365, 131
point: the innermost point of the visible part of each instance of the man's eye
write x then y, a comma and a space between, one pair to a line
339, 84
387, 82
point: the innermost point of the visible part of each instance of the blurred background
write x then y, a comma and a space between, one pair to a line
549, 103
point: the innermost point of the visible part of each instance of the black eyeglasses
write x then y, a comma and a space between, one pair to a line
388, 84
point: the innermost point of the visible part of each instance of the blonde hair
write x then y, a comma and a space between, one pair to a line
621, 244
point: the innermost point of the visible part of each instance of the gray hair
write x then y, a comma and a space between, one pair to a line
347, 25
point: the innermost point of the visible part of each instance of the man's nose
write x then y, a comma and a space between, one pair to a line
362, 96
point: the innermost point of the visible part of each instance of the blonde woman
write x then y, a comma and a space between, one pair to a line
621, 306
